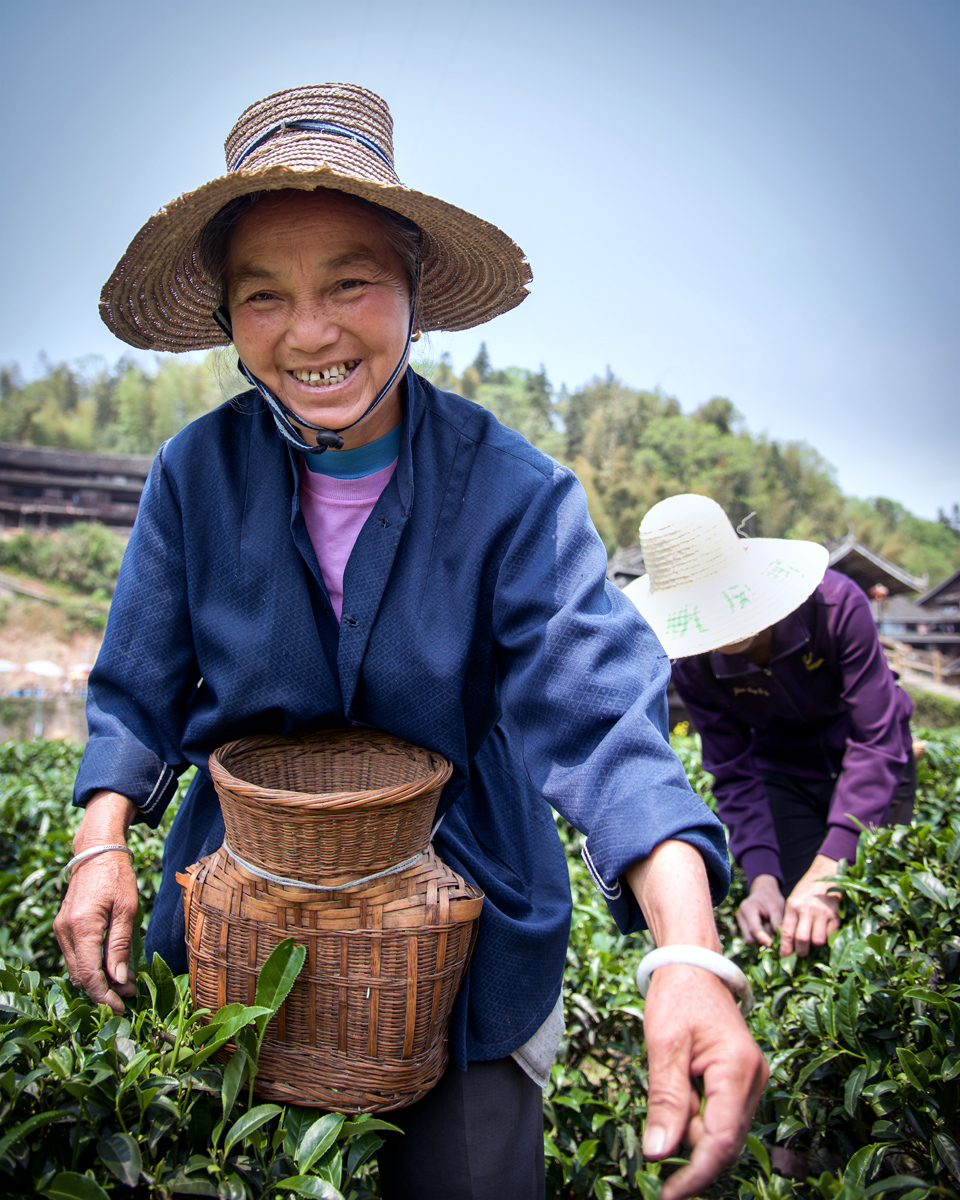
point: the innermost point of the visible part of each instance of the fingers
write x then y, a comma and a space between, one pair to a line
732, 1088
693, 1028
808, 921
672, 1104
752, 917
117, 947
719, 1133
101, 902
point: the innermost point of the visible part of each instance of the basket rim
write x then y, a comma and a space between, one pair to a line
240, 789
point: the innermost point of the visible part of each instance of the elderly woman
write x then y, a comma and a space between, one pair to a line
345, 544
803, 726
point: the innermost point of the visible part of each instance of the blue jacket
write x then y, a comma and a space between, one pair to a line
477, 622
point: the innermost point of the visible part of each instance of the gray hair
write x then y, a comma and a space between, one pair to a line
404, 236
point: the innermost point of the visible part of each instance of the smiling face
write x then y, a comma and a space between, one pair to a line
320, 306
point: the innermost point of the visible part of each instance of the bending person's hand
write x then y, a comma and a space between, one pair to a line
95, 924
762, 911
810, 915
693, 1027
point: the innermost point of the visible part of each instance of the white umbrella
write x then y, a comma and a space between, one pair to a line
43, 666
7, 665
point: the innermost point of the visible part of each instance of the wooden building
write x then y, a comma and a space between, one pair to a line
870, 570
943, 597
44, 487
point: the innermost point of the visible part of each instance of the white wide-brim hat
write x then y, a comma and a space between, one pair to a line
328, 135
705, 587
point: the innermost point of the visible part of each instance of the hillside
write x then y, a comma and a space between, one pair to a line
630, 447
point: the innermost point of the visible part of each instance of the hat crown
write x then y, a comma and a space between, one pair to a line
346, 105
686, 538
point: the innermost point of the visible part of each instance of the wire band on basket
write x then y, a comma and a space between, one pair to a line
335, 887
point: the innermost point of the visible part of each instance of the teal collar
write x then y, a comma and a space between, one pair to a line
361, 461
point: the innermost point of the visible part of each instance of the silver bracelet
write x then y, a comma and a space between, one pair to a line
78, 858
697, 956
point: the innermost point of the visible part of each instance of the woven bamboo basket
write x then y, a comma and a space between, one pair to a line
378, 796
364, 1028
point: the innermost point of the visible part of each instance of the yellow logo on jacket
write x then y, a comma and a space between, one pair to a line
809, 663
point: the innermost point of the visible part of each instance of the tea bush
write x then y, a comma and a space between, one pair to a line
85, 557
863, 1039
90, 1100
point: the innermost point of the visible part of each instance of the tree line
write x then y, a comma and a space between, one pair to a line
630, 447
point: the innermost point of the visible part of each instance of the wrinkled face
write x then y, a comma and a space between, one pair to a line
320, 308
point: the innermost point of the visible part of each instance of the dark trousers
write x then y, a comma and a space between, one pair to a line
800, 808
478, 1135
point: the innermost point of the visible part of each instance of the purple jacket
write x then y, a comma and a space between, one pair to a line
827, 707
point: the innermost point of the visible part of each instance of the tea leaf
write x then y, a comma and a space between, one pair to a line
233, 1077
853, 1088
361, 1150
166, 987
15, 1003
248, 1123
68, 1185
931, 887
316, 1139
950, 1153
277, 977
848, 1012
308, 1185
25, 1128
759, 1152
120, 1154
863, 1164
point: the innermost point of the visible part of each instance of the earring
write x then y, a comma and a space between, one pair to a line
416, 337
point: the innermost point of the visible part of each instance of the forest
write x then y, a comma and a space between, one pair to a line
630, 447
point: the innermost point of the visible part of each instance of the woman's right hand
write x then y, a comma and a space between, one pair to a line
762, 911
95, 924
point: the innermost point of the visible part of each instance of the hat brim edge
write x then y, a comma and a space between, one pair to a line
161, 253
712, 612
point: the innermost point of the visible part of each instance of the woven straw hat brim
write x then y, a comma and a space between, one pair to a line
776, 577
160, 298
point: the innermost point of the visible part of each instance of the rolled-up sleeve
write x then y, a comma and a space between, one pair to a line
146, 671
584, 679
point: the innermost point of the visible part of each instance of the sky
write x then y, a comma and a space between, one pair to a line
758, 199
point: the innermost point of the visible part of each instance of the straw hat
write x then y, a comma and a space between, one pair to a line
705, 587
329, 135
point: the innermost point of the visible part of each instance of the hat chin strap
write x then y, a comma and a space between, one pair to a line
287, 421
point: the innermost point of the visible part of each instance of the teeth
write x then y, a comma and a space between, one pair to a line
328, 375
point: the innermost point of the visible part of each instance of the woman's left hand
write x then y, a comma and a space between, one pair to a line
810, 915
693, 1027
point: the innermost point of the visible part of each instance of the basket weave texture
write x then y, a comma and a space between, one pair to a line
377, 794
364, 1028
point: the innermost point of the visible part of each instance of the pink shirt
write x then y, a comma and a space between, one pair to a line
335, 510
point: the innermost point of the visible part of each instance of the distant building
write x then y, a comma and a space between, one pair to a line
42, 487
626, 566
869, 569
944, 597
